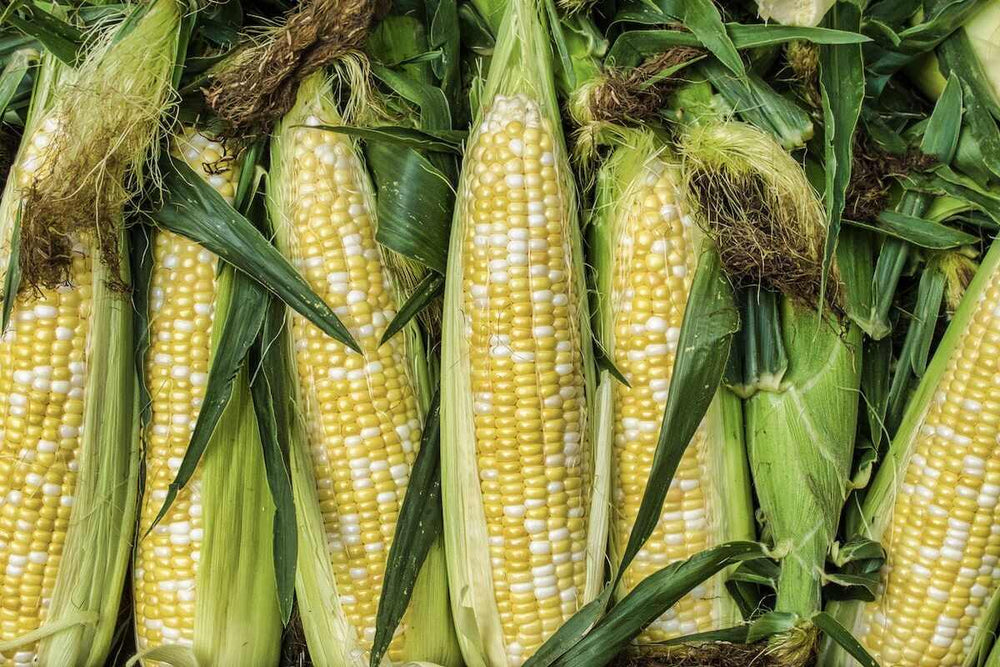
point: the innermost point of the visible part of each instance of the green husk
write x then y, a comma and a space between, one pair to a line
876, 511
332, 640
801, 444
726, 476
237, 619
521, 64
82, 614
108, 123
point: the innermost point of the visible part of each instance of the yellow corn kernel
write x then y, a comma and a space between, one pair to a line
182, 305
362, 414
527, 373
654, 262
943, 538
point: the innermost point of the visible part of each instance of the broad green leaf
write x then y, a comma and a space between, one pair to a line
702, 18
855, 261
419, 524
919, 231
434, 111
842, 86
945, 127
193, 209
838, 633
415, 203
633, 46
759, 104
269, 392
140, 246
61, 39
448, 141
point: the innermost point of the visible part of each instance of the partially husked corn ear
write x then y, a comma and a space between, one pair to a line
934, 502
362, 412
172, 574
527, 374
517, 463
646, 249
68, 453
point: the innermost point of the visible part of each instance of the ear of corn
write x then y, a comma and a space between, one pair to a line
800, 443
934, 501
69, 452
524, 500
361, 413
203, 578
646, 247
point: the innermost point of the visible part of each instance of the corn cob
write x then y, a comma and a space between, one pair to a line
646, 252
934, 501
68, 462
525, 546
362, 412
185, 595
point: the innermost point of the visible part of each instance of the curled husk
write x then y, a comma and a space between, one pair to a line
754, 199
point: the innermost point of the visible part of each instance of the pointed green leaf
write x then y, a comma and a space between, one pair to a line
945, 127
842, 84
419, 524
193, 209
430, 287
838, 633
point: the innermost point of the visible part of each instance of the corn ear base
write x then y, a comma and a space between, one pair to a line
521, 66
332, 638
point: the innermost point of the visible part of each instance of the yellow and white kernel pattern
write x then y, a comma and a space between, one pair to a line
943, 540
182, 306
521, 307
363, 418
43, 370
654, 264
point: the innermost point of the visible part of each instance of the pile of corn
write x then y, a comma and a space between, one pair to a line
500, 333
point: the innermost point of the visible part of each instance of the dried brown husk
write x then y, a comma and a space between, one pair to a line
259, 85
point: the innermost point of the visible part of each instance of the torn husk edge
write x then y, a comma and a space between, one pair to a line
87, 156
